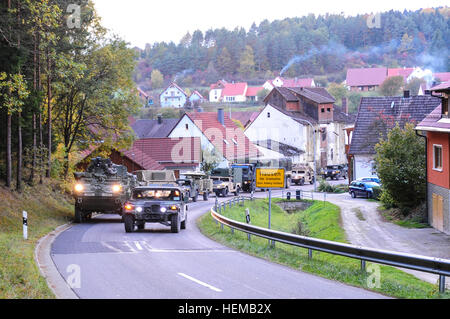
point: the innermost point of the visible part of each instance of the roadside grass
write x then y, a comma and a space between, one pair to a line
359, 214
394, 216
47, 207
320, 220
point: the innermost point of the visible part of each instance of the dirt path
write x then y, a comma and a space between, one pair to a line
364, 226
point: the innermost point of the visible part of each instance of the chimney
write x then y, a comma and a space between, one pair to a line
406, 94
427, 92
159, 119
344, 105
221, 116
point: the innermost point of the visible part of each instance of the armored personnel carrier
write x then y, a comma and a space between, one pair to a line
103, 188
156, 177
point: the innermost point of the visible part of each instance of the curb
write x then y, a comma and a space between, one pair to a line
47, 268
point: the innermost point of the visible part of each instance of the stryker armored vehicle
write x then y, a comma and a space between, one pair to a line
103, 188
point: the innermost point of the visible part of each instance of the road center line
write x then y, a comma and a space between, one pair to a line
200, 282
138, 246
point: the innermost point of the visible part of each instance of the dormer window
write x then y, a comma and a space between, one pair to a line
445, 107
226, 142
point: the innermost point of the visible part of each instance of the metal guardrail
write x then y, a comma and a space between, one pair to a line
433, 265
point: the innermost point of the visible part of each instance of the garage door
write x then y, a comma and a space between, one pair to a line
438, 212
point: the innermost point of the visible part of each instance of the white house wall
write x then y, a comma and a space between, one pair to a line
172, 97
363, 166
214, 95
193, 131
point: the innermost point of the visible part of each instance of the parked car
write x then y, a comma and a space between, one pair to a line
360, 188
369, 179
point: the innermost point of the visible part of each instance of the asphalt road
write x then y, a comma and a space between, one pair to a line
155, 263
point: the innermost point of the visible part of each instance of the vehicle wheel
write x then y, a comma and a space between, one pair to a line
296, 183
205, 196
224, 192
140, 225
175, 224
353, 194
302, 182
128, 221
183, 223
194, 199
78, 216
237, 191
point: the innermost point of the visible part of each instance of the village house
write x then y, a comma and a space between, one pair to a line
376, 116
218, 135
196, 98
215, 93
146, 99
252, 93
173, 96
286, 126
292, 83
234, 92
149, 128
436, 128
365, 79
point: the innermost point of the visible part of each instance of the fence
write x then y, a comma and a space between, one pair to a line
433, 265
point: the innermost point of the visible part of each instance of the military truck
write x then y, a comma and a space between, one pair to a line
302, 174
190, 187
224, 181
156, 204
103, 188
247, 175
156, 177
204, 184
335, 171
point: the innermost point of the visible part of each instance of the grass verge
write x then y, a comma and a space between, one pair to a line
48, 207
394, 215
320, 220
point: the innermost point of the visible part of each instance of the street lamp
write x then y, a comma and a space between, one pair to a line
314, 155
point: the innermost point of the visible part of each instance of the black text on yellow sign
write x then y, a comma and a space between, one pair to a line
270, 178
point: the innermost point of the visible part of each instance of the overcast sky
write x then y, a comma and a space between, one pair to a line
148, 21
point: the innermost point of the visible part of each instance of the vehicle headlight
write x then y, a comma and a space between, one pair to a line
79, 188
163, 210
128, 207
139, 209
116, 188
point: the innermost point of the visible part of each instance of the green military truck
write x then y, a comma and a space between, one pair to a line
199, 182
226, 180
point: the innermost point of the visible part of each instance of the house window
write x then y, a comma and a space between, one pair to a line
328, 110
437, 157
187, 126
268, 114
322, 110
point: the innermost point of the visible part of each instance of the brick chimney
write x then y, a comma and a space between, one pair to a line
221, 116
344, 105
159, 119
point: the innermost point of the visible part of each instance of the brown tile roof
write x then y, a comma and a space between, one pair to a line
377, 115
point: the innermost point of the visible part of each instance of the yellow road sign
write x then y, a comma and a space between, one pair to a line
270, 177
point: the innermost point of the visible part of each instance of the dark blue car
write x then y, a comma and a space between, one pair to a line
362, 189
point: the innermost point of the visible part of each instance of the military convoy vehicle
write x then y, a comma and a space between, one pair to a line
156, 204
335, 171
150, 177
102, 188
302, 174
225, 181
247, 176
198, 181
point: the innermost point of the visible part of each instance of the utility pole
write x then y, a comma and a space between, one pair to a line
314, 147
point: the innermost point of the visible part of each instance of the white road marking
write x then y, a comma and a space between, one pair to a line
138, 245
129, 246
200, 282
111, 247
191, 251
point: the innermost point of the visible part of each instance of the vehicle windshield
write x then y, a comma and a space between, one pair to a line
219, 180
157, 194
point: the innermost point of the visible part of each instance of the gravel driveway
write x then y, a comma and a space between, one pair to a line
365, 226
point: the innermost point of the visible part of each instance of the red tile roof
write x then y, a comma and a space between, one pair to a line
169, 150
253, 90
443, 76
216, 133
136, 155
233, 89
444, 85
365, 77
434, 122
404, 72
